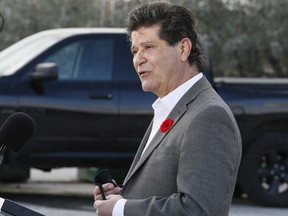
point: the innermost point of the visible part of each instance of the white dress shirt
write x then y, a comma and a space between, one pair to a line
162, 107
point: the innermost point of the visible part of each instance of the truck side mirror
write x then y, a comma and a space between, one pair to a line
44, 72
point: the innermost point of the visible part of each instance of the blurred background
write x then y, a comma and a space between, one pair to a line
247, 38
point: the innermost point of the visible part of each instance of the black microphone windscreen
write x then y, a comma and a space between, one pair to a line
17, 130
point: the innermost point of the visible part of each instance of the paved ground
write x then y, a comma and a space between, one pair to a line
60, 193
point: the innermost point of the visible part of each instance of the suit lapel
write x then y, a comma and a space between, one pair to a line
176, 114
159, 136
139, 151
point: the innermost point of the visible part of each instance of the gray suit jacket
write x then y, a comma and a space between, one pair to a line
190, 169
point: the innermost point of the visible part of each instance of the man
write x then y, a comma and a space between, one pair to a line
188, 160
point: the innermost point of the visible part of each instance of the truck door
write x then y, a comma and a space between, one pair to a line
76, 115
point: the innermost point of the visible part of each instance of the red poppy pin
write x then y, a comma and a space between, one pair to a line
166, 125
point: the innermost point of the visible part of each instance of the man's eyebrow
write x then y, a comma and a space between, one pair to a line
141, 44
145, 42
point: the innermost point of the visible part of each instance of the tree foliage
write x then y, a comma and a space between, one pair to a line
245, 38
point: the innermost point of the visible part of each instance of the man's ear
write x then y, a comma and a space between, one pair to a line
186, 47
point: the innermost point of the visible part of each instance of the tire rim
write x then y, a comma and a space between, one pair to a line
273, 172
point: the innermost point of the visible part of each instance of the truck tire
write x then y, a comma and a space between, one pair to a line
263, 174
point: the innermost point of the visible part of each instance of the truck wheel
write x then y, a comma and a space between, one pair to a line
263, 174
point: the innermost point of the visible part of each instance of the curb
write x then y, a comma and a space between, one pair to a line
49, 188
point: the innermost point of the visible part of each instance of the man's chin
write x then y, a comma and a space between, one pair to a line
145, 89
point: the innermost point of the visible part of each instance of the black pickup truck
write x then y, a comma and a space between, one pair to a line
80, 87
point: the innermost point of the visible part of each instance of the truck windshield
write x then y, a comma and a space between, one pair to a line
18, 54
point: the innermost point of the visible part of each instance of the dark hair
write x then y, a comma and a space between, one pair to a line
176, 23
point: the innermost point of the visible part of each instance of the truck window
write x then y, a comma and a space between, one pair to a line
65, 58
85, 59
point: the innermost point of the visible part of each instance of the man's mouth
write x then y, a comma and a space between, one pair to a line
142, 73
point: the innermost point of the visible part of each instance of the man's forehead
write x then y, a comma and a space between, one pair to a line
145, 34
155, 29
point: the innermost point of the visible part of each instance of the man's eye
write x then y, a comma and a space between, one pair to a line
148, 47
133, 52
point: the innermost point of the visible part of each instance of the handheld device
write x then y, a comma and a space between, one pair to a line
101, 178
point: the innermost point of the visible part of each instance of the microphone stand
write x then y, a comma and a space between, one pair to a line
10, 208
2, 152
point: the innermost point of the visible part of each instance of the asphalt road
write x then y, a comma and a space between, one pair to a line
82, 206
60, 193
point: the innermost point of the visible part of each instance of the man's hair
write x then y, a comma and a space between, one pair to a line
176, 22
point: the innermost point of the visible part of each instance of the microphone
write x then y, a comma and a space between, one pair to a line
15, 132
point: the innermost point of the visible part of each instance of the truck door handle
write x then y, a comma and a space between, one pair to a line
101, 96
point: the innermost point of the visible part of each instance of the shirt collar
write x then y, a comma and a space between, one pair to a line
170, 100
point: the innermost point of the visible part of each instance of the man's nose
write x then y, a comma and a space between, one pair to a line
139, 59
